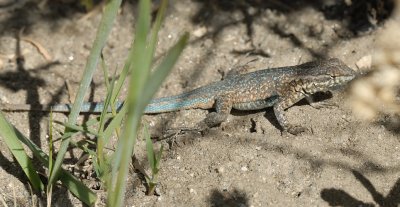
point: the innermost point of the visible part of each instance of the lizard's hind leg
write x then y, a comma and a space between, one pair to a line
223, 108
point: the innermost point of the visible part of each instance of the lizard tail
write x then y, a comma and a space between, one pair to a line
92, 107
22, 107
169, 104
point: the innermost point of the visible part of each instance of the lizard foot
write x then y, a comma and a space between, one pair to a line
202, 126
295, 130
320, 105
174, 132
213, 119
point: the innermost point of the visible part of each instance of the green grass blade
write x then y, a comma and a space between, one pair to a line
123, 75
105, 26
143, 52
75, 186
105, 72
158, 158
141, 69
154, 31
141, 57
76, 128
50, 164
7, 132
100, 163
140, 37
49, 190
152, 42
115, 122
149, 149
164, 68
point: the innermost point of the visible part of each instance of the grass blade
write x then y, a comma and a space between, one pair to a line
7, 132
105, 26
164, 68
49, 190
152, 42
149, 148
73, 185
141, 69
154, 31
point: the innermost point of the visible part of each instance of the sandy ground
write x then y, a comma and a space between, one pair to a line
340, 161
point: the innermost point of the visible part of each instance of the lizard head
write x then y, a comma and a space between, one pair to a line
324, 75
339, 72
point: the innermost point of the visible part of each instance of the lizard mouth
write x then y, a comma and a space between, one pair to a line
343, 79
339, 81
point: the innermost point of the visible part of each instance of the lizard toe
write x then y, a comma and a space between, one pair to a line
295, 130
213, 119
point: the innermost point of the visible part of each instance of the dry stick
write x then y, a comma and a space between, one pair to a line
39, 47
36, 44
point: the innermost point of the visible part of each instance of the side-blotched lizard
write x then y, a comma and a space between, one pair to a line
279, 88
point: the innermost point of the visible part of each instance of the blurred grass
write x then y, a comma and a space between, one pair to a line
49, 189
142, 87
103, 31
154, 162
10, 134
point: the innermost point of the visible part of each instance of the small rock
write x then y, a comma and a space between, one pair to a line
199, 32
364, 62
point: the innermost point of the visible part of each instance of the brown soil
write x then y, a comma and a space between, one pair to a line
340, 161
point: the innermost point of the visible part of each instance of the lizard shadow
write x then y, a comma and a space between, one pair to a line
269, 112
339, 197
226, 198
334, 196
269, 115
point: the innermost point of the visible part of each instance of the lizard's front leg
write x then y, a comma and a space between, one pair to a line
288, 95
279, 110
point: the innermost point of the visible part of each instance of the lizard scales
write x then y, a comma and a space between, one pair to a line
279, 88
